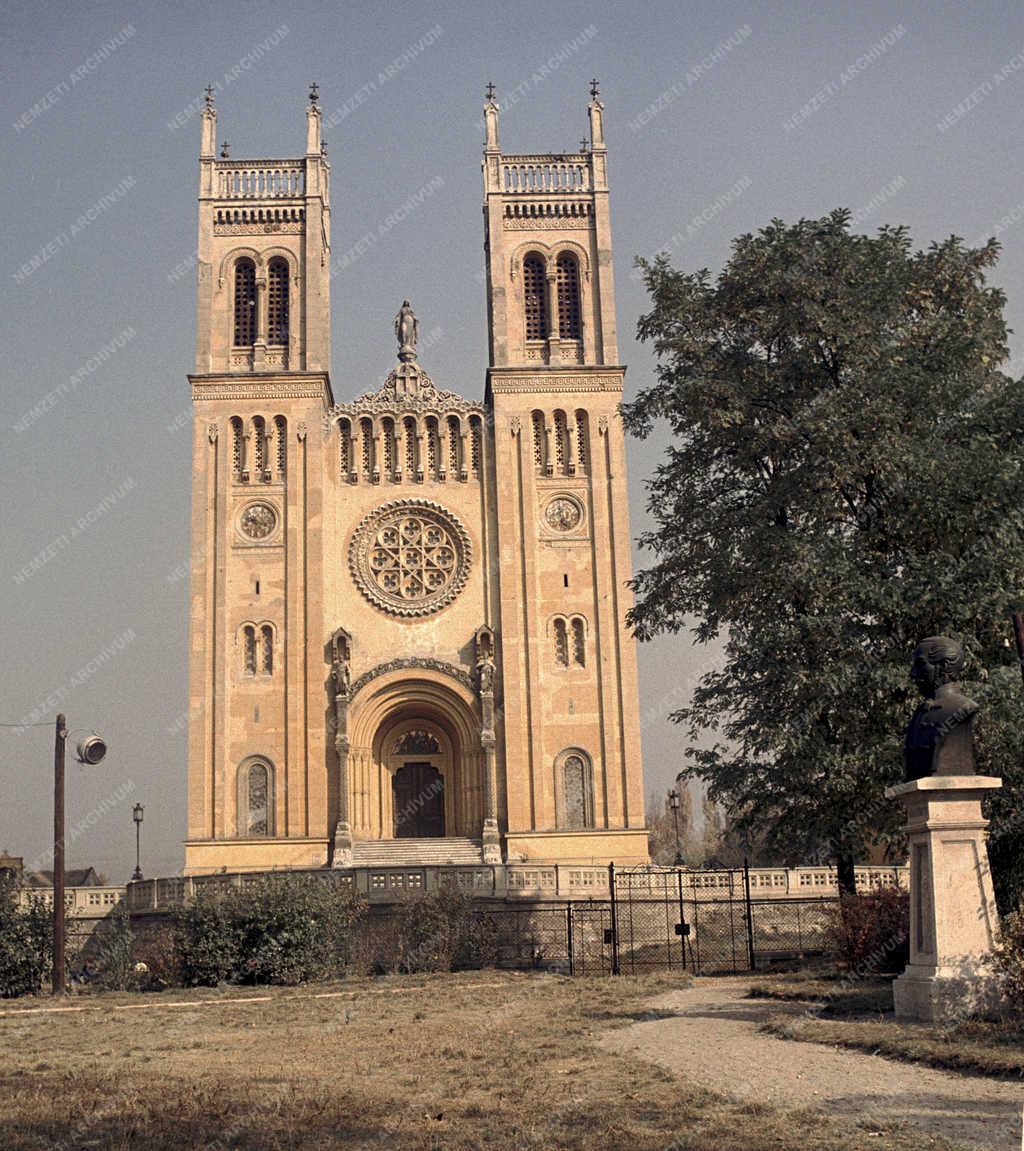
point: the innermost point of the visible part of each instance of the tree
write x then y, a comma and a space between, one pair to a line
845, 477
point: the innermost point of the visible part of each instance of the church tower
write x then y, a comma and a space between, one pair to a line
257, 776
554, 385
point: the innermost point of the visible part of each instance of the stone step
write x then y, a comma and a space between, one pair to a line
416, 852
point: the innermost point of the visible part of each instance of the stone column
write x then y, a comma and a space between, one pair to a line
953, 920
341, 645
491, 837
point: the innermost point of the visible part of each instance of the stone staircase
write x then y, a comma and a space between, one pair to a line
438, 852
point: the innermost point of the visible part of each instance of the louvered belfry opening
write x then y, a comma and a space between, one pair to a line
245, 304
568, 280
535, 298
277, 302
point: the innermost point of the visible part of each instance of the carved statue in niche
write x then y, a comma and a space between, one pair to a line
341, 654
940, 740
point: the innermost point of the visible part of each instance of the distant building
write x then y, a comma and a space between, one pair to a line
12, 865
74, 877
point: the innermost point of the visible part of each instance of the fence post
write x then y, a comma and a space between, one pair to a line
568, 938
615, 919
750, 914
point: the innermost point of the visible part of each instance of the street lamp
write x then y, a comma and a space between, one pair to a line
137, 816
673, 802
90, 751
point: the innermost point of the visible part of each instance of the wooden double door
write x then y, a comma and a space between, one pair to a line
418, 801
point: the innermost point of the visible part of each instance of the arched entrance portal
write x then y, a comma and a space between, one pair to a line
415, 767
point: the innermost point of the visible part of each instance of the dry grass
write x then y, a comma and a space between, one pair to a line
858, 1015
474, 1061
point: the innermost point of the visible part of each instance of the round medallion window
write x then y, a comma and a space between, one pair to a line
410, 557
563, 514
258, 521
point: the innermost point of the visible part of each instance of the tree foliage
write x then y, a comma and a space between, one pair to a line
844, 477
26, 942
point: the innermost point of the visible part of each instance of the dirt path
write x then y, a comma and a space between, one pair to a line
712, 1039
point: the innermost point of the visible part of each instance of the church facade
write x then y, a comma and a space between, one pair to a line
407, 616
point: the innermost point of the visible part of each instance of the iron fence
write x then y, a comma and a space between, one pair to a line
665, 918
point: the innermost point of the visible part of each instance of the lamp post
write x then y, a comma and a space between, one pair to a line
673, 802
90, 751
137, 816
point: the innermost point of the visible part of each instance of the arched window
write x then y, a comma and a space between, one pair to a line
345, 448
475, 444
411, 447
433, 446
582, 439
454, 446
568, 279
561, 643
237, 442
366, 445
539, 444
277, 302
535, 298
561, 442
387, 445
259, 446
267, 650
249, 649
256, 798
245, 303
577, 791
579, 642
281, 430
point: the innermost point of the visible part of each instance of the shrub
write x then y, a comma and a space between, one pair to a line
113, 951
443, 931
1009, 958
871, 930
26, 942
279, 929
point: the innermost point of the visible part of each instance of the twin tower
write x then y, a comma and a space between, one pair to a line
407, 637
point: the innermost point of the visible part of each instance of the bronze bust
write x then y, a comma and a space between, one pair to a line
940, 740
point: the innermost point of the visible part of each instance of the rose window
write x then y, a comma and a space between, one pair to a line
410, 557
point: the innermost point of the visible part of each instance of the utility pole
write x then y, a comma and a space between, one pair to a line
59, 746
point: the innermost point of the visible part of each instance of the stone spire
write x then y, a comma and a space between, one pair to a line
491, 119
314, 141
208, 137
595, 110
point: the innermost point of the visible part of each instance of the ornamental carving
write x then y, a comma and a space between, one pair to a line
410, 557
407, 388
563, 514
407, 663
258, 521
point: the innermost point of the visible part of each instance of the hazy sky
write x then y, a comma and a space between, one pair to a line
902, 112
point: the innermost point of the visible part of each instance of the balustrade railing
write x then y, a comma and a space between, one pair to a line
545, 174
238, 179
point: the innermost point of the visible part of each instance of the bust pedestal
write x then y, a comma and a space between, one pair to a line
953, 918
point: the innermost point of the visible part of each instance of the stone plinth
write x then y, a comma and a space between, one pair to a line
953, 919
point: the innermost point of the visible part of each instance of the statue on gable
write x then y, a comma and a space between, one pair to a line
407, 330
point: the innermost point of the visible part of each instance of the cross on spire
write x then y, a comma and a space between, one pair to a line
209, 95
595, 86
314, 93
584, 143
224, 150
490, 91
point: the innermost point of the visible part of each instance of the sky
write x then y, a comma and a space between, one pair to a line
719, 117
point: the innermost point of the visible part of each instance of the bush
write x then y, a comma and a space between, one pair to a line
1009, 959
26, 942
279, 929
444, 931
112, 951
871, 930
